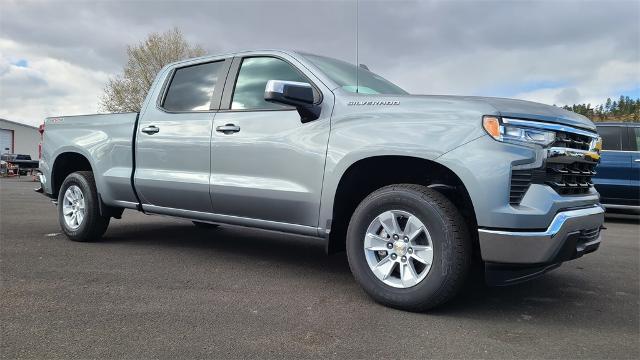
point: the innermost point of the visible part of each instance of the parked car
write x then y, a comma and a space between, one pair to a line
618, 174
22, 161
415, 188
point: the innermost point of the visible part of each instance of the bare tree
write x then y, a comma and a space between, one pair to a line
126, 91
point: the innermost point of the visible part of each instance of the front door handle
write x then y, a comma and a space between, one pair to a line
637, 160
228, 129
150, 130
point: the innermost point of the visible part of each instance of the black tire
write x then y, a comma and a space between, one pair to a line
93, 226
204, 225
450, 242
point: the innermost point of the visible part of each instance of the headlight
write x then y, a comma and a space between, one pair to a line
516, 134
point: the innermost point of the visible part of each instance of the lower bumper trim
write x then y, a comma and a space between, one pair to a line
542, 247
508, 274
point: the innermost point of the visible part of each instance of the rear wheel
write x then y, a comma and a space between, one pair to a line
408, 247
78, 208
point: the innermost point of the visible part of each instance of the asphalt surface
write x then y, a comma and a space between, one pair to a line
157, 287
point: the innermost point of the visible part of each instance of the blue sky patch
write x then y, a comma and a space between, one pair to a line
21, 63
632, 93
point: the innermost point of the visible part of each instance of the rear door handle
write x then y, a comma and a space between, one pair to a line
228, 129
150, 130
637, 160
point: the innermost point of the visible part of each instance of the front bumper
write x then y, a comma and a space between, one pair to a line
571, 234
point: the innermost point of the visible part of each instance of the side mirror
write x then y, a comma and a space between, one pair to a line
293, 93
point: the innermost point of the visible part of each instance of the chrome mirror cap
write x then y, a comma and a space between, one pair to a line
277, 86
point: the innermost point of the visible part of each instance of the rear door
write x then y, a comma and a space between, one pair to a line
613, 173
174, 136
271, 167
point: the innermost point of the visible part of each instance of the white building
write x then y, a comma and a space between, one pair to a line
16, 138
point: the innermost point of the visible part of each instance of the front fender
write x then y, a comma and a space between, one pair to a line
354, 138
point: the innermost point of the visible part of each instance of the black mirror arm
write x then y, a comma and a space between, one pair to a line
308, 112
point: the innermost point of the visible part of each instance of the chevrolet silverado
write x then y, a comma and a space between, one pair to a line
416, 189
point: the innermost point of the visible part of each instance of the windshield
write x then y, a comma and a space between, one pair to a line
344, 74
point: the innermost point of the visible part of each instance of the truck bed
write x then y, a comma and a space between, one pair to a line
105, 140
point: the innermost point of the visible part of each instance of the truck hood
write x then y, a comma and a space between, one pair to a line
521, 109
512, 108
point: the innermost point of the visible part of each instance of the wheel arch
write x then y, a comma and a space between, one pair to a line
367, 174
64, 164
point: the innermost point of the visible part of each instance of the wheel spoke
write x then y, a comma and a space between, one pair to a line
384, 268
67, 210
374, 242
408, 274
69, 197
413, 228
389, 222
79, 217
423, 254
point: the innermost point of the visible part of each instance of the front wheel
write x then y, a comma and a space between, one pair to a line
408, 247
78, 208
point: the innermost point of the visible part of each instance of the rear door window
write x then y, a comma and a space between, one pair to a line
611, 137
191, 88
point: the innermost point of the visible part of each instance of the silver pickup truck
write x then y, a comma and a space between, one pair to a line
416, 189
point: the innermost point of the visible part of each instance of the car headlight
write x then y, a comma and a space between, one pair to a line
516, 134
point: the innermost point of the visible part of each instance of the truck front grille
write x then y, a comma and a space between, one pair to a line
572, 141
568, 166
572, 178
563, 174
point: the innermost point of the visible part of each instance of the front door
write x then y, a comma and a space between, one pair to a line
266, 164
173, 141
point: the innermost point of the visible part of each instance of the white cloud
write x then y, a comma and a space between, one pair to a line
557, 74
47, 87
549, 51
606, 81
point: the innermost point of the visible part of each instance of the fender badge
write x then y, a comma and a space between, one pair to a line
383, 103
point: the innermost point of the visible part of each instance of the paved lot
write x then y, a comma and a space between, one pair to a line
159, 287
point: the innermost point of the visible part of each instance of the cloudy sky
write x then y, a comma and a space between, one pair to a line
56, 56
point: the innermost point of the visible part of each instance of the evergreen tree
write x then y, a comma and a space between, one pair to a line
624, 109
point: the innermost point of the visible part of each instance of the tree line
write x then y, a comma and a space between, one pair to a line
623, 109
